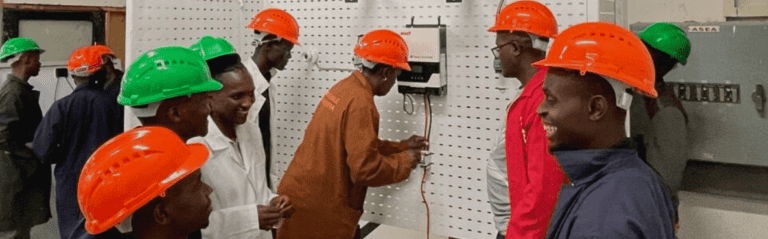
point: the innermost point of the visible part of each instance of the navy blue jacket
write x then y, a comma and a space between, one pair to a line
73, 128
79, 232
614, 195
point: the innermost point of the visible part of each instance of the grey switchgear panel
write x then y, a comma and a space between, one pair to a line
721, 89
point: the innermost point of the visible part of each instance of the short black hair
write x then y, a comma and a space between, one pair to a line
218, 65
231, 68
594, 84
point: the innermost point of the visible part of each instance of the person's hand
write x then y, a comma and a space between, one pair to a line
268, 216
24, 152
416, 142
284, 204
415, 157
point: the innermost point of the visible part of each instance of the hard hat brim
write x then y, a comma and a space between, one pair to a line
198, 156
404, 66
209, 85
651, 93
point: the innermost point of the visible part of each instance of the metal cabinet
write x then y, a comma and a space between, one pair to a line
722, 89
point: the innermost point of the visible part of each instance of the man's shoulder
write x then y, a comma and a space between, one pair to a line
81, 233
626, 204
350, 90
10, 88
668, 99
628, 186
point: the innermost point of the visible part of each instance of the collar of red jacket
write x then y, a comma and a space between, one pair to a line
535, 83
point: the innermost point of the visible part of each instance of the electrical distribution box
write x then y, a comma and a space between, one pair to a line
722, 89
427, 58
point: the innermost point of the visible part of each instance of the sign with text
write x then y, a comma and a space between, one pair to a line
703, 28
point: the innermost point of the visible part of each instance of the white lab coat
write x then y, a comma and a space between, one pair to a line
238, 183
261, 84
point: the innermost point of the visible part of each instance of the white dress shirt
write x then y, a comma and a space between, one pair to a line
261, 84
238, 179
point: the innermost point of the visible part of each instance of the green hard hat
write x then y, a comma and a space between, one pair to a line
211, 47
165, 73
668, 38
18, 45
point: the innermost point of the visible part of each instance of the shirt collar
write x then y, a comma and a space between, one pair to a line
535, 83
81, 87
14, 78
367, 85
215, 138
259, 82
583, 166
218, 141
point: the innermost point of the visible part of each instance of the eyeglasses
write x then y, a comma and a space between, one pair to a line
257, 42
495, 50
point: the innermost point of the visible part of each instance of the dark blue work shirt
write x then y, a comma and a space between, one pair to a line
73, 128
614, 195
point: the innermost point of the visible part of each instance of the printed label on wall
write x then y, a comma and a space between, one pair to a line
703, 28
704, 92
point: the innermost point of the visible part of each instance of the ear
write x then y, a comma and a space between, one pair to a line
174, 114
517, 49
598, 107
160, 215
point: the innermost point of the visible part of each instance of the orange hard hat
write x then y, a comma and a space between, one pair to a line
277, 22
607, 50
131, 169
103, 50
526, 16
84, 61
383, 46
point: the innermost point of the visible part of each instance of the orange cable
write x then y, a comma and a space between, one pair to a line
424, 176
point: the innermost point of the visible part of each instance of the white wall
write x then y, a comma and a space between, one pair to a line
675, 10
100, 3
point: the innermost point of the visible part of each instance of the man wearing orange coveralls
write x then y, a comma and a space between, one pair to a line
342, 155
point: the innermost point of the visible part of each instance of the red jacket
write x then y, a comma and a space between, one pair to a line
534, 176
